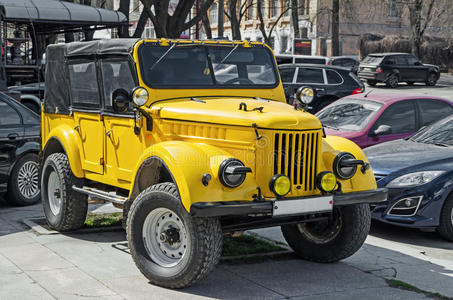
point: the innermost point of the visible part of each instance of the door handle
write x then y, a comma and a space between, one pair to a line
13, 136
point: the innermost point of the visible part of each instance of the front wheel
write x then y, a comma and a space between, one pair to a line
171, 248
431, 80
331, 240
392, 81
446, 220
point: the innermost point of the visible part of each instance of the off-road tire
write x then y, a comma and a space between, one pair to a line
14, 195
446, 223
392, 81
431, 80
371, 82
201, 256
350, 237
74, 205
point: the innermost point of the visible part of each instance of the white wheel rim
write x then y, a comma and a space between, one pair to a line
54, 193
451, 217
27, 180
165, 237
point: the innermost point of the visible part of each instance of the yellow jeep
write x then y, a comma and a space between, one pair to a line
193, 139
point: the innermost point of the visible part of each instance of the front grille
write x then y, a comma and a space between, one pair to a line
296, 156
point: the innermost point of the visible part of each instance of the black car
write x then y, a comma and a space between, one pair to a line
392, 68
329, 83
19, 148
349, 62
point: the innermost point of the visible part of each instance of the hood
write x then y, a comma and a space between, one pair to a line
346, 134
432, 66
274, 115
392, 156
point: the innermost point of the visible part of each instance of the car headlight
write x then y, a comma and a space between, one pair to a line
140, 96
414, 179
280, 185
232, 172
342, 166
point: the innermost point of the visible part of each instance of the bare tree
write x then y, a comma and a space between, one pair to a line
295, 17
237, 9
268, 34
206, 25
335, 27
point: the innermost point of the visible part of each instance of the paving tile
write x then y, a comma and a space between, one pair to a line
20, 286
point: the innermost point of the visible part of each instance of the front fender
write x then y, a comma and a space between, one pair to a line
187, 163
332, 146
70, 141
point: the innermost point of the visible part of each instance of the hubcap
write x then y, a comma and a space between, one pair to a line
27, 180
54, 193
165, 237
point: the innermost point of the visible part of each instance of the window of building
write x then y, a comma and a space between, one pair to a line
393, 9
273, 8
251, 9
283, 43
263, 9
213, 14
304, 7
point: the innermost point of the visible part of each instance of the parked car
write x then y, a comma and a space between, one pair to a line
392, 68
188, 155
329, 83
380, 117
302, 59
31, 95
349, 62
19, 148
418, 172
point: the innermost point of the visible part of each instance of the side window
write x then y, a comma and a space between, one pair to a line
411, 60
401, 60
389, 61
432, 110
348, 63
84, 85
287, 74
337, 62
8, 115
333, 77
115, 75
399, 116
310, 75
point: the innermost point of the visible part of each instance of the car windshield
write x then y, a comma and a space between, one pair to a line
372, 60
188, 66
439, 133
349, 114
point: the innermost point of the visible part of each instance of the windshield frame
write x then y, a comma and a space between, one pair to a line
214, 85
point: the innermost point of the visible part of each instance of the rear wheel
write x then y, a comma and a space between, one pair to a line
431, 80
392, 81
23, 185
329, 241
171, 248
65, 209
446, 220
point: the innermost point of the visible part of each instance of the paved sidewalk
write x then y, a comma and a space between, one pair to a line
81, 265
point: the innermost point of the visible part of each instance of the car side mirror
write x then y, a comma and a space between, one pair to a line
417, 63
120, 100
382, 130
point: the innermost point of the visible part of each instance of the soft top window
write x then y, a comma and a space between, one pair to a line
84, 85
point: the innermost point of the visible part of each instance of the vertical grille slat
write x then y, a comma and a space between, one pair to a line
289, 157
311, 179
296, 159
282, 154
276, 150
301, 158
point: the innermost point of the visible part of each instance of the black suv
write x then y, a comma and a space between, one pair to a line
328, 82
392, 68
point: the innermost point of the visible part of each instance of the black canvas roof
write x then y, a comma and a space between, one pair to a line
54, 14
97, 47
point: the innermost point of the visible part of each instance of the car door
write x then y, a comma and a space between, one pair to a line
400, 117
403, 68
119, 136
11, 137
417, 70
85, 102
431, 110
313, 77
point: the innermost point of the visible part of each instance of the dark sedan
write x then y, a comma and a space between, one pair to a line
418, 173
19, 148
329, 83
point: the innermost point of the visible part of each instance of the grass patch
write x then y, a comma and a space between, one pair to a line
406, 286
103, 220
246, 245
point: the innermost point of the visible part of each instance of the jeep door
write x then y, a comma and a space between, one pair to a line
122, 145
86, 107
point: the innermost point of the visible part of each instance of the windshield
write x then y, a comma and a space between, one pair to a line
438, 133
189, 66
372, 60
349, 114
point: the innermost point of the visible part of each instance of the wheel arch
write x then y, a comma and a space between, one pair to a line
30, 147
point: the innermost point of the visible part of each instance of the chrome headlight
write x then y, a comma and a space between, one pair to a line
140, 96
232, 172
342, 167
414, 179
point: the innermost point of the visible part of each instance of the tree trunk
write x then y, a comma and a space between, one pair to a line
207, 26
233, 8
295, 18
415, 18
335, 27
123, 30
260, 4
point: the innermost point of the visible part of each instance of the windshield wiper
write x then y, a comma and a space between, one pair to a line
226, 57
441, 145
162, 57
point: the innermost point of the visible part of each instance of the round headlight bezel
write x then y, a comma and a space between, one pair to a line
305, 95
339, 171
225, 179
139, 96
274, 181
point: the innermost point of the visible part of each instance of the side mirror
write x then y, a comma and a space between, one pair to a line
382, 130
417, 63
120, 100
304, 96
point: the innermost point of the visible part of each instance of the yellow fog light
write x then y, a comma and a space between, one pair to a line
326, 181
280, 185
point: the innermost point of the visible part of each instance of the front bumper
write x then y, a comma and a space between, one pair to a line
266, 208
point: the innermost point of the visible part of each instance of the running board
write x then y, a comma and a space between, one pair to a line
100, 194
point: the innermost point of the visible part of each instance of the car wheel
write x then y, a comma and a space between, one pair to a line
431, 80
23, 186
171, 248
371, 82
446, 220
65, 209
392, 81
410, 83
33, 107
331, 240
